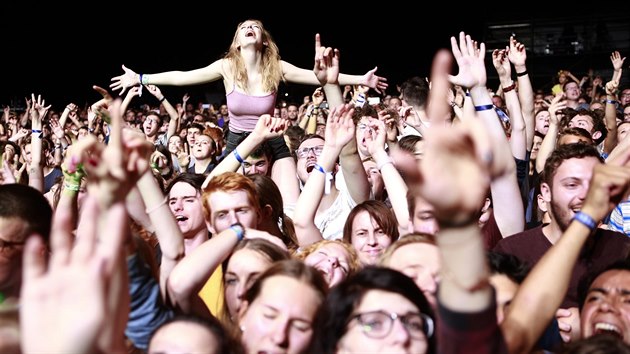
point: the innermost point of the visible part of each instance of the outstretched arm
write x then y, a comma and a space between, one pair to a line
303, 76
130, 78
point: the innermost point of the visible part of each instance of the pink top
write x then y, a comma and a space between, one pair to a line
244, 110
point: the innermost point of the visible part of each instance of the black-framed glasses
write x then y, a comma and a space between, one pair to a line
5, 245
378, 324
303, 152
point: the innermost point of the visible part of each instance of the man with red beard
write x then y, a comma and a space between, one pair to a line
565, 182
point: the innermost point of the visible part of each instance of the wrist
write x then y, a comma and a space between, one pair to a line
239, 230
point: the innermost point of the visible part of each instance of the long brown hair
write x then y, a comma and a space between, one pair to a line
271, 69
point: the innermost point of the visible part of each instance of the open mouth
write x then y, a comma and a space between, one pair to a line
180, 218
608, 329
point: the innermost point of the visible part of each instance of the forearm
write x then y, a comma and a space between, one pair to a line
464, 286
544, 288
610, 118
395, 186
547, 146
526, 99
353, 171
333, 95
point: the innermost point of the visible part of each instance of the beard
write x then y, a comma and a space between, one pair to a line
562, 215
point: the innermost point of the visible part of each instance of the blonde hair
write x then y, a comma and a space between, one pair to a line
353, 259
271, 70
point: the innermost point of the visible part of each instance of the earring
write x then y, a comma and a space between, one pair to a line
242, 328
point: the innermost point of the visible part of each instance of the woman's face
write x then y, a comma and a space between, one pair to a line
332, 260
372, 330
368, 238
280, 319
243, 269
420, 262
175, 144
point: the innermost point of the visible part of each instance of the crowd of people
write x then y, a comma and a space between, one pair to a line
449, 217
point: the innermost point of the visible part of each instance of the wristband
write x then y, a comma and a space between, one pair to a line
585, 220
509, 88
144, 79
467, 93
386, 161
610, 101
238, 230
522, 74
328, 175
237, 156
484, 107
71, 187
162, 99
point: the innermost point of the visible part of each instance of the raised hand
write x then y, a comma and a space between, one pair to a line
501, 63
378, 83
63, 303
516, 53
128, 79
326, 67
268, 127
617, 60
339, 127
470, 60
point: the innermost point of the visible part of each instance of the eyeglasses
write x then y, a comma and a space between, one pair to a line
6, 245
378, 324
303, 152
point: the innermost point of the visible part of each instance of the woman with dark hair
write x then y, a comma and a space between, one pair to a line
370, 228
377, 310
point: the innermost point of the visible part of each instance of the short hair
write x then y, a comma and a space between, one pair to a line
263, 149
229, 182
587, 280
29, 205
408, 239
415, 91
597, 345
332, 318
366, 110
408, 142
596, 118
575, 131
295, 134
195, 180
508, 265
565, 152
378, 211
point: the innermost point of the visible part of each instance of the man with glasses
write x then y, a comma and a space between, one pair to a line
336, 203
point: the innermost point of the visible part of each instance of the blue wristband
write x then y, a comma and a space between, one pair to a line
611, 101
586, 220
238, 230
319, 168
237, 156
484, 107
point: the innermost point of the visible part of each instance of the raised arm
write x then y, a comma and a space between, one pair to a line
547, 283
172, 111
518, 56
36, 170
339, 131
130, 78
548, 144
303, 76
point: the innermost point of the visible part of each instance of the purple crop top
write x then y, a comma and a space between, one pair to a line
244, 110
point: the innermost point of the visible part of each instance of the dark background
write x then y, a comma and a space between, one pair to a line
60, 51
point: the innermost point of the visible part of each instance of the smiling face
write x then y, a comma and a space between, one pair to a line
332, 260
569, 188
606, 309
280, 319
368, 238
